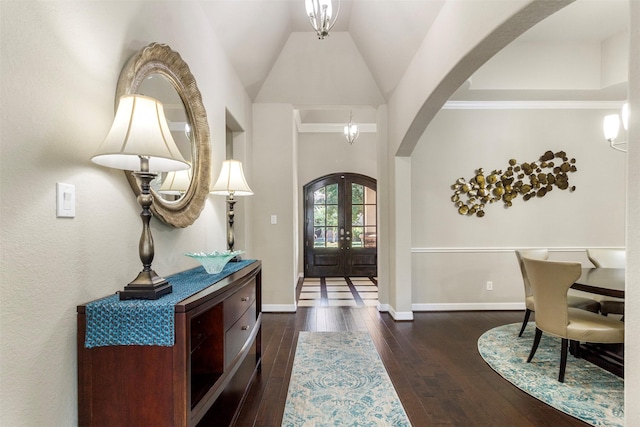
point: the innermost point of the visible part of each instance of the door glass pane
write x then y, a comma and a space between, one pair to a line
325, 217
357, 240
370, 215
319, 215
332, 215
363, 217
332, 194
332, 237
369, 196
370, 238
318, 237
357, 194
357, 217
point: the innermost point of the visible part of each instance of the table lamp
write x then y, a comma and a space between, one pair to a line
176, 183
231, 183
140, 141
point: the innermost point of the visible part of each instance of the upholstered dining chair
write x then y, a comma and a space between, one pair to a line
609, 258
574, 301
550, 282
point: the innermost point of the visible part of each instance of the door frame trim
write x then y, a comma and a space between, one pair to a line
305, 188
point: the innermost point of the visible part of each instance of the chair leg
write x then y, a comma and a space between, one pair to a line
574, 348
563, 359
536, 341
525, 321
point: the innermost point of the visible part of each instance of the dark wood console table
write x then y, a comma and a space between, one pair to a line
202, 378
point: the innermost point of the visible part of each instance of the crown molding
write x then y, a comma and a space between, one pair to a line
532, 105
468, 105
329, 127
334, 127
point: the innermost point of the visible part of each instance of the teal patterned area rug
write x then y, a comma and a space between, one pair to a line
589, 393
338, 379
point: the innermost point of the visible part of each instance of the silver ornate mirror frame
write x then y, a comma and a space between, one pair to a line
160, 59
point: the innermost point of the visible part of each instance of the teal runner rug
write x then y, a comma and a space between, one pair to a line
338, 379
589, 393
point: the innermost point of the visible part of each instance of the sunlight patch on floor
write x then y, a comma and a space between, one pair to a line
338, 292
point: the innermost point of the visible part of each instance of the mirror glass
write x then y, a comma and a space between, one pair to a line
161, 73
172, 186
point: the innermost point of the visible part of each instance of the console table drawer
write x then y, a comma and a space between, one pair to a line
239, 334
238, 303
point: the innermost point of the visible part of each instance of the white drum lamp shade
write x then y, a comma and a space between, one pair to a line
140, 129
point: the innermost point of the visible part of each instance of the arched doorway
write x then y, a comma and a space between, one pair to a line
340, 233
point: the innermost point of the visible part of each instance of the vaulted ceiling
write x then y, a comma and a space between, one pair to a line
279, 58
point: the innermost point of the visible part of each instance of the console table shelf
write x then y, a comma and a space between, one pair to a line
204, 375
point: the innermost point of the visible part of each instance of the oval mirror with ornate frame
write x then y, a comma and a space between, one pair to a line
159, 59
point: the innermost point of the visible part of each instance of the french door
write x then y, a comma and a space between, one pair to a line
340, 237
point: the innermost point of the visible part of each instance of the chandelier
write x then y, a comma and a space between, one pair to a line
321, 16
351, 130
611, 127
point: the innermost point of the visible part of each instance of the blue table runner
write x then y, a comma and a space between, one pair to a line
147, 322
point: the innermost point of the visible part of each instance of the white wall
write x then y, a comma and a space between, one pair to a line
60, 64
455, 255
306, 73
526, 65
460, 141
321, 154
430, 80
331, 72
275, 185
632, 304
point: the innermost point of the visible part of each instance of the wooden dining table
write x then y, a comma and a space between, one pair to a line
602, 281
607, 282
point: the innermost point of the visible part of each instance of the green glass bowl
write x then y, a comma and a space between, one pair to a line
214, 262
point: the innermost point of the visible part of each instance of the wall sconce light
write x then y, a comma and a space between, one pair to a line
611, 128
140, 141
231, 183
321, 16
351, 130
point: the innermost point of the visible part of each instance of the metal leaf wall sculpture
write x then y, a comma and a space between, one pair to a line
528, 180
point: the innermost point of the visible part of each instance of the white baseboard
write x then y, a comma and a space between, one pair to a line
408, 315
383, 308
279, 308
473, 306
475, 250
400, 315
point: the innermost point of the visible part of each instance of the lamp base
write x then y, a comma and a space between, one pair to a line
148, 285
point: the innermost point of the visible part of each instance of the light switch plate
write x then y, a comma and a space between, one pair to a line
274, 219
65, 200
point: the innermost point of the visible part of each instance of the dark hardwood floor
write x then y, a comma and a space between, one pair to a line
433, 363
